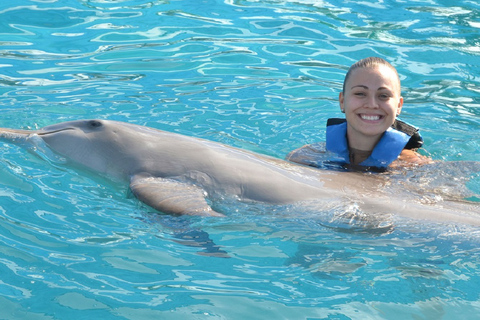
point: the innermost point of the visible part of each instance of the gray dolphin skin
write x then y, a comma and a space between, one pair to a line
177, 174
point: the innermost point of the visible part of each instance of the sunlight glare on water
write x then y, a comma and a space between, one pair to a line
262, 75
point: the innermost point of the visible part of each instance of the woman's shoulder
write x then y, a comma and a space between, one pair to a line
310, 154
409, 158
316, 155
306, 151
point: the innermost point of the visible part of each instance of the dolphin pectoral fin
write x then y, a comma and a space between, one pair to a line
171, 196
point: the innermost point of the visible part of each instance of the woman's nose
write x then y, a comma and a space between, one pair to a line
372, 102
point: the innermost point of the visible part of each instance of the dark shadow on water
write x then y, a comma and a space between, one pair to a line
182, 232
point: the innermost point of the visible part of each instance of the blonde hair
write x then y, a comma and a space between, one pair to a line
370, 62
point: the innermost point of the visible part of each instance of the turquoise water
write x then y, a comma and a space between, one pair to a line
260, 75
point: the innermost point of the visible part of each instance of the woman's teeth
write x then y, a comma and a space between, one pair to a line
372, 117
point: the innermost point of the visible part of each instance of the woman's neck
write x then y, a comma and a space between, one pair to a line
362, 142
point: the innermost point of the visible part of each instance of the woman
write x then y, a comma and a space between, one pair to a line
369, 137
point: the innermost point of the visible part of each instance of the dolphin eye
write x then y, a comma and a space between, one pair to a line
94, 124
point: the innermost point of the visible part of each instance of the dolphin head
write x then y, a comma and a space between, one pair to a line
90, 143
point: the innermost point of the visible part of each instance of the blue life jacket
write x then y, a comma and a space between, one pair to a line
398, 137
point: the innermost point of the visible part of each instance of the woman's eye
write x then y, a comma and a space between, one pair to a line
360, 94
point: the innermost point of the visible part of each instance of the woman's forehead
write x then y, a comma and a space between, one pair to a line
380, 74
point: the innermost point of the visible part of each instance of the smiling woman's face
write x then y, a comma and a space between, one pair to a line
371, 103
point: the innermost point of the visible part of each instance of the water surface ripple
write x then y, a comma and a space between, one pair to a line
263, 75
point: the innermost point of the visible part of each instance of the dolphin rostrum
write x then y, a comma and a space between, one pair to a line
177, 174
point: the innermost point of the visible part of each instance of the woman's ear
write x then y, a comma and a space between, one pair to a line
340, 99
400, 105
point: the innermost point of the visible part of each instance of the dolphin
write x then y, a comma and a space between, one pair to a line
178, 174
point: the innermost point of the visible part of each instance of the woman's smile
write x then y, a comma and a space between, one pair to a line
370, 117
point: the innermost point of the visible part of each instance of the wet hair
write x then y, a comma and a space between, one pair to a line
370, 62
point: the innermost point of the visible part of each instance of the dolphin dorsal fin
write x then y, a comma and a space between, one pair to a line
171, 196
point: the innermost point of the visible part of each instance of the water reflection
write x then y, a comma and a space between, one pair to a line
261, 75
